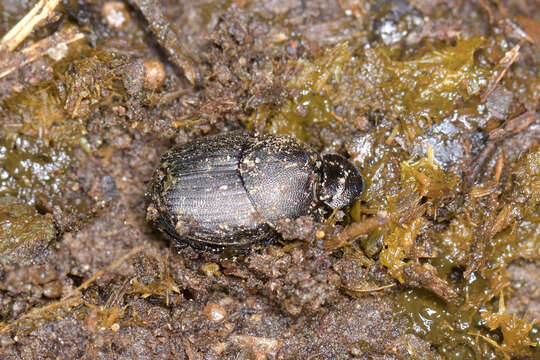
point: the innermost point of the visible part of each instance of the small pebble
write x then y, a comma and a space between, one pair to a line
210, 269
52, 290
154, 75
214, 312
116, 14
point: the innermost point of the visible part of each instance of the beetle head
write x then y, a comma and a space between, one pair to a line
341, 182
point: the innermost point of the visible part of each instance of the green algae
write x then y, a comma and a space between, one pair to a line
417, 93
30, 169
421, 92
44, 126
470, 328
24, 233
311, 109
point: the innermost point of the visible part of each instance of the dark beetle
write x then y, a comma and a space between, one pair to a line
227, 191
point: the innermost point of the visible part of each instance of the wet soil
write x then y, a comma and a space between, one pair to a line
426, 97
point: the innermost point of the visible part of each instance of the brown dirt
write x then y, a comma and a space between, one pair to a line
289, 301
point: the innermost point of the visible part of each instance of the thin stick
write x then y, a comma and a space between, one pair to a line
356, 229
41, 11
499, 167
508, 59
513, 126
368, 290
73, 298
29, 54
169, 38
101, 272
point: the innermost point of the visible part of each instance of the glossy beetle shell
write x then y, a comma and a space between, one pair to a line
227, 191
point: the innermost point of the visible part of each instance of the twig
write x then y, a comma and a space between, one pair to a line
41, 11
169, 38
101, 272
479, 161
425, 276
356, 229
56, 41
73, 298
513, 126
499, 167
369, 290
504, 64
71, 302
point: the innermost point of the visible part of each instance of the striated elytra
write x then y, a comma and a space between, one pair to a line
227, 191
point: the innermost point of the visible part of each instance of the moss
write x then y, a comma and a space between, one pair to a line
104, 316
297, 117
397, 245
526, 177
39, 316
515, 332
44, 124
515, 231
417, 93
91, 82
38, 112
429, 178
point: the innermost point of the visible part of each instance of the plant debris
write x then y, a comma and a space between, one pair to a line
436, 102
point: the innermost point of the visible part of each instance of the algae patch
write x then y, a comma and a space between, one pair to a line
332, 91
24, 233
422, 91
311, 108
29, 169
478, 327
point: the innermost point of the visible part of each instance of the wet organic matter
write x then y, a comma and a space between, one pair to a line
436, 102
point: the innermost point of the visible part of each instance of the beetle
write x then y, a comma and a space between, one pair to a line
227, 191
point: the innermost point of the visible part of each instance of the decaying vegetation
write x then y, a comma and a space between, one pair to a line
438, 102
